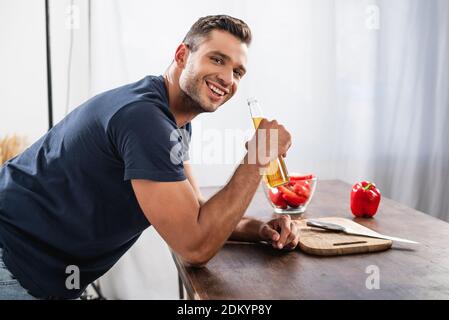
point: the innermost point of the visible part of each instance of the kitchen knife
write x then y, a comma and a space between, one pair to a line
338, 228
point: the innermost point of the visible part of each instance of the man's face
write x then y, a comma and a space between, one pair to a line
212, 73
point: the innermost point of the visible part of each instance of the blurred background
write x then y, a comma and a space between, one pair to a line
362, 85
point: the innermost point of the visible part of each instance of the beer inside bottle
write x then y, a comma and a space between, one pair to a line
276, 173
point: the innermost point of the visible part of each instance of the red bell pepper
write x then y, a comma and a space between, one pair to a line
365, 199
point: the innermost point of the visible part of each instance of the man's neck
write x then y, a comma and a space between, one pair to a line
182, 113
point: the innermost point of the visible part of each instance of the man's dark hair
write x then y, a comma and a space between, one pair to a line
201, 29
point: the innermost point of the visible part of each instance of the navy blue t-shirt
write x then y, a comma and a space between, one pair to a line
67, 200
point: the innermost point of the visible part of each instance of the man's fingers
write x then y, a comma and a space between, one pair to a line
285, 230
269, 233
293, 234
293, 238
290, 238
291, 245
281, 232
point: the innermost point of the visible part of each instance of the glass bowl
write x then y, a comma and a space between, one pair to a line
293, 197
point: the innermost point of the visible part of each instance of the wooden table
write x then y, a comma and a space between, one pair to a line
257, 271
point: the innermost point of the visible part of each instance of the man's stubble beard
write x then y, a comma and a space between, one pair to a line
191, 95
190, 104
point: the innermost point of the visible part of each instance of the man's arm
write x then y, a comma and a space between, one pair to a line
248, 229
193, 182
197, 232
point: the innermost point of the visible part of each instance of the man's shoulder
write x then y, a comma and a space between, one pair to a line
149, 89
142, 98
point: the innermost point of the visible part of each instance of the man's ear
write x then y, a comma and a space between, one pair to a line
181, 55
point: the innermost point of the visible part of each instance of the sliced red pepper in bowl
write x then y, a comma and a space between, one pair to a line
292, 199
276, 199
302, 189
295, 177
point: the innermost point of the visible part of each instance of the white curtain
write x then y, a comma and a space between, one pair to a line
410, 150
362, 86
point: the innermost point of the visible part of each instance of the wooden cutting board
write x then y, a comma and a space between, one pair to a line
321, 242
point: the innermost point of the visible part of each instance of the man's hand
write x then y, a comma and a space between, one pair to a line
280, 232
261, 149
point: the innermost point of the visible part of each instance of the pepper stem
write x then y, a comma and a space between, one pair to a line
367, 187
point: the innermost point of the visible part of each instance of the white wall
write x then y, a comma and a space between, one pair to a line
23, 90
70, 55
23, 80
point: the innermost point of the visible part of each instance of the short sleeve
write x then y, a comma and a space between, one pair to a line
148, 142
186, 133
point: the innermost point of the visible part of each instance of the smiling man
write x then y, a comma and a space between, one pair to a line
80, 196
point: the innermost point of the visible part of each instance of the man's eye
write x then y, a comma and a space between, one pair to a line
217, 60
237, 73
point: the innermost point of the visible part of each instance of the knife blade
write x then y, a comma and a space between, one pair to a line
338, 228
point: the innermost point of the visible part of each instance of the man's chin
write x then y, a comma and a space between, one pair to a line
209, 107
